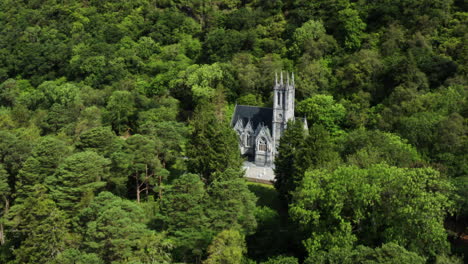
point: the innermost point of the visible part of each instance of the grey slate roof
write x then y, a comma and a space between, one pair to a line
256, 115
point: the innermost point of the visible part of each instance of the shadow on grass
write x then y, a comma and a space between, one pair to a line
275, 235
267, 196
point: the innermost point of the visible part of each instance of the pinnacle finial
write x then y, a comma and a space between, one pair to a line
293, 78
276, 77
287, 77
281, 80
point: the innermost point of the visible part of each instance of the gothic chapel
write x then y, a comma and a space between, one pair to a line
259, 129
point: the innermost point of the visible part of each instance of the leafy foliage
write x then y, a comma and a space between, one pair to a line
380, 203
106, 102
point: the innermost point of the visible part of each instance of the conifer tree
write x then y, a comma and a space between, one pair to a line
74, 256
44, 160
40, 226
213, 146
317, 151
232, 205
285, 162
143, 166
115, 229
77, 178
99, 139
184, 216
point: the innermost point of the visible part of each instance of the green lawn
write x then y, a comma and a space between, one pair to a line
266, 194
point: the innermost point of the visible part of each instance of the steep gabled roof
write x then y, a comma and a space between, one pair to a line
256, 115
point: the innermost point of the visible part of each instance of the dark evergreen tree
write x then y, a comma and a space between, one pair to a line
184, 216
40, 226
213, 146
317, 151
77, 179
115, 229
100, 140
231, 205
43, 162
285, 162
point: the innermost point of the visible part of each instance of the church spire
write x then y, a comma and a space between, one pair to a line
281, 78
276, 78
293, 78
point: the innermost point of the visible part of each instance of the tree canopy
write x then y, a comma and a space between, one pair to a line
116, 143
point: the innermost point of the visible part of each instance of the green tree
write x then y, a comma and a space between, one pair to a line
90, 118
281, 260
184, 216
381, 203
390, 253
62, 101
43, 162
115, 229
318, 150
144, 166
323, 110
220, 44
314, 76
13, 89
246, 72
300, 150
76, 180
232, 205
213, 146
170, 135
311, 39
203, 80
74, 256
40, 226
289, 146
227, 247
14, 150
99, 139
5, 193
365, 147
120, 110
361, 72
351, 27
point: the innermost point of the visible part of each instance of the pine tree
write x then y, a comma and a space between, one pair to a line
285, 163
41, 227
232, 205
115, 229
77, 178
213, 146
44, 160
317, 151
184, 216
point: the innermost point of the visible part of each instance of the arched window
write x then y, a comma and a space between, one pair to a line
248, 140
262, 144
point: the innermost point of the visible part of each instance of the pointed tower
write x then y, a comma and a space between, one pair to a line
289, 100
283, 106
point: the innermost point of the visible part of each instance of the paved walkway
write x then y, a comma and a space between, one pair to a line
255, 172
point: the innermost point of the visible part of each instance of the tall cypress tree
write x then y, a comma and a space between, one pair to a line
213, 146
285, 163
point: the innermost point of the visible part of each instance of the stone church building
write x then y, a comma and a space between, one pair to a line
259, 129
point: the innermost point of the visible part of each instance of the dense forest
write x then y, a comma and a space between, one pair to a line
116, 145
